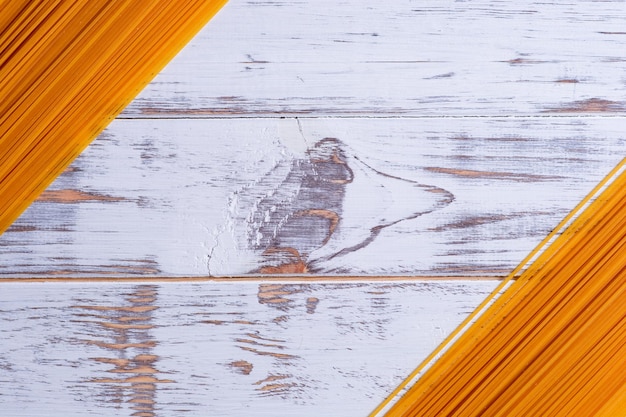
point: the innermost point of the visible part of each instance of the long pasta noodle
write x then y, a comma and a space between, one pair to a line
552, 342
67, 69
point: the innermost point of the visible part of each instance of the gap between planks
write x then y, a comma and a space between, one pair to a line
183, 115
253, 278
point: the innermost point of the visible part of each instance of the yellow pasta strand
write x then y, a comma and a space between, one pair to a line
67, 69
554, 342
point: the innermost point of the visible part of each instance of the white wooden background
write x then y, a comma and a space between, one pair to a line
218, 349
370, 138
463, 132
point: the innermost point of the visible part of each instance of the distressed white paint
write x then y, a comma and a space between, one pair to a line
393, 81
427, 57
190, 187
405, 72
343, 345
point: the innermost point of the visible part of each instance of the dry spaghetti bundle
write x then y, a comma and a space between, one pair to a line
67, 68
552, 342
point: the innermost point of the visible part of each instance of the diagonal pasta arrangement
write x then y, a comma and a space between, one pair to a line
67, 68
550, 341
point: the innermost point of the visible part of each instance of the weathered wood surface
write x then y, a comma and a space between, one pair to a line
220, 349
401, 137
417, 58
404, 137
199, 197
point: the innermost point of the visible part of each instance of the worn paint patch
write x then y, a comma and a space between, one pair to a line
471, 173
75, 196
301, 211
242, 367
592, 105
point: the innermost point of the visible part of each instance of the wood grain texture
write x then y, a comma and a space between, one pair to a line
411, 58
400, 138
226, 349
403, 137
383, 196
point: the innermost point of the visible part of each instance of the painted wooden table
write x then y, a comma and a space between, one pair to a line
401, 138
218, 348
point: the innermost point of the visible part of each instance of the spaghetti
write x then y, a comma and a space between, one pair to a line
553, 342
67, 69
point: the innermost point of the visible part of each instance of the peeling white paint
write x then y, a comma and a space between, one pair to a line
339, 358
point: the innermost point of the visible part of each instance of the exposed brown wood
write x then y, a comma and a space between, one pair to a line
149, 348
347, 196
74, 196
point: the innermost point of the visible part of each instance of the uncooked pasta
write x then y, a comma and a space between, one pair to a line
551, 339
67, 68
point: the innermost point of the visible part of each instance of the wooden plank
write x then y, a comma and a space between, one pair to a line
467, 196
433, 57
236, 349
